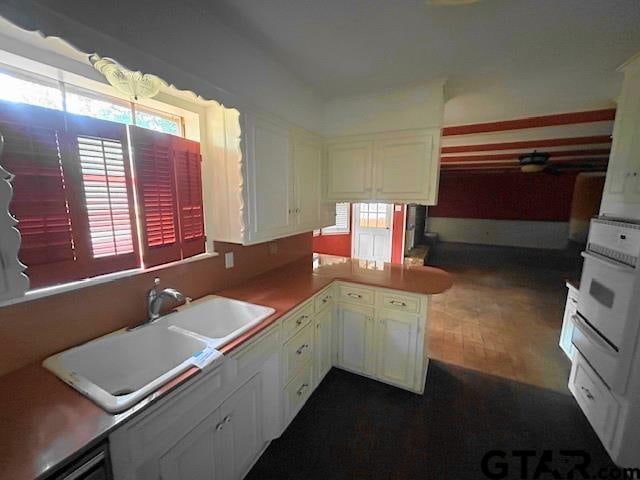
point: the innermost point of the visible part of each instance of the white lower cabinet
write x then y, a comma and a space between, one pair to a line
384, 341
570, 309
397, 342
240, 438
355, 338
322, 344
216, 426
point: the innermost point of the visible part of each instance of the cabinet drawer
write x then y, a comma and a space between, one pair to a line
349, 293
298, 351
594, 397
398, 301
297, 320
323, 299
297, 392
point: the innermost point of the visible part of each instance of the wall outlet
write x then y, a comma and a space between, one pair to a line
273, 248
228, 260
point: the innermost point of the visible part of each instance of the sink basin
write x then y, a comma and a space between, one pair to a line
218, 320
118, 370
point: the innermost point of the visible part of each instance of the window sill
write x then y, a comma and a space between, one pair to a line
329, 234
109, 277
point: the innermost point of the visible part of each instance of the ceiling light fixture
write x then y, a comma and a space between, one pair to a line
135, 85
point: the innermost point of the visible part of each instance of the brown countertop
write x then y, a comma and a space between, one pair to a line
44, 422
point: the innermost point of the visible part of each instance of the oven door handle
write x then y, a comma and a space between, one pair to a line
608, 262
588, 332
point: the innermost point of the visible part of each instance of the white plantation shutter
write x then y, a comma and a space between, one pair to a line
342, 220
105, 185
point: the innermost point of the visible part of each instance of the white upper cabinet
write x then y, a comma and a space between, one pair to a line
621, 197
270, 200
349, 169
265, 179
307, 167
393, 166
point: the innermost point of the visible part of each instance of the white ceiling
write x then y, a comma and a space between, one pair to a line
345, 47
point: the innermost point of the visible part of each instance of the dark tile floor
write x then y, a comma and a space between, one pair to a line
356, 428
504, 312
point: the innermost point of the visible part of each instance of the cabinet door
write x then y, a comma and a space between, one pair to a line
270, 180
349, 168
322, 347
406, 168
194, 457
622, 187
241, 438
566, 334
397, 337
307, 159
355, 338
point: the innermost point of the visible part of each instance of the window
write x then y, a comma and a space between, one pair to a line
23, 89
19, 87
158, 121
76, 192
96, 107
373, 215
342, 220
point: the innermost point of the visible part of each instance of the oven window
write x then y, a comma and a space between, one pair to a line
601, 293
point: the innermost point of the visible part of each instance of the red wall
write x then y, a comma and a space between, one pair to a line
505, 196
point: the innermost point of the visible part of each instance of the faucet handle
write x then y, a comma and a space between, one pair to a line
156, 281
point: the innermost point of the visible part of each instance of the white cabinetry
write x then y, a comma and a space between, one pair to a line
224, 445
381, 335
621, 196
323, 357
355, 338
394, 166
266, 179
397, 339
570, 309
270, 191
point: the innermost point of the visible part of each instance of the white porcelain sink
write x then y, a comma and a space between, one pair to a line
121, 369
218, 320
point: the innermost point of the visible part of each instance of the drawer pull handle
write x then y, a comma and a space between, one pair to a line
354, 295
587, 393
302, 349
226, 419
301, 319
302, 389
397, 303
326, 299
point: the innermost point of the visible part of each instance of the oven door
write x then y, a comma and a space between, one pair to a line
606, 297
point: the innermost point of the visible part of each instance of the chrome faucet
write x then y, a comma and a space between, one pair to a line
156, 298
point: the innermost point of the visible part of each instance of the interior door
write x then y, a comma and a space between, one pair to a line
372, 231
270, 167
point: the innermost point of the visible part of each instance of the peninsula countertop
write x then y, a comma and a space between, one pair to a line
44, 423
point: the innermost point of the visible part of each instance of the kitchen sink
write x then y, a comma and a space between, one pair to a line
119, 370
217, 320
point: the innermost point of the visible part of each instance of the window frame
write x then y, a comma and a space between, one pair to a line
328, 231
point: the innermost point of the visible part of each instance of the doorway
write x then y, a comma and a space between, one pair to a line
372, 231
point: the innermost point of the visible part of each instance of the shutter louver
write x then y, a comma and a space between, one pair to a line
155, 181
40, 199
342, 220
189, 187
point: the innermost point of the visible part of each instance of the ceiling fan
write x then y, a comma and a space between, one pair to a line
536, 162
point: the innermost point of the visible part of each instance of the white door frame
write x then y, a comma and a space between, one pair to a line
355, 226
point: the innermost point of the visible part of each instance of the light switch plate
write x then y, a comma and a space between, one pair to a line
228, 260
